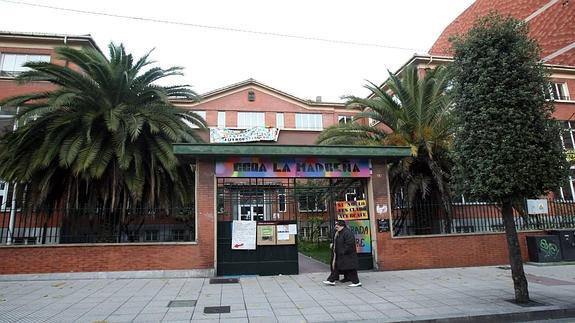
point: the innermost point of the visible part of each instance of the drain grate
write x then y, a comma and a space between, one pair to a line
224, 281
216, 309
531, 303
182, 303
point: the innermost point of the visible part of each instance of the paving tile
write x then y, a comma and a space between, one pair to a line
313, 310
318, 318
369, 315
291, 319
260, 312
258, 306
345, 316
262, 319
154, 309
286, 311
235, 320
176, 316
120, 318
283, 305
151, 317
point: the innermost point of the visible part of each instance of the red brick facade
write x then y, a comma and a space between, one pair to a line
234, 99
126, 257
94, 258
446, 251
551, 26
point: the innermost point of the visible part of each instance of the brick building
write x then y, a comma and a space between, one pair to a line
17, 48
551, 25
275, 176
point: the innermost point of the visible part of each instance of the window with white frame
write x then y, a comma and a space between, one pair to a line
201, 114
152, 235
221, 119
308, 121
13, 64
559, 91
279, 120
344, 119
351, 194
282, 200
311, 202
251, 119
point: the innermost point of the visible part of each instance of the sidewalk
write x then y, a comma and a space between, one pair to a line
385, 297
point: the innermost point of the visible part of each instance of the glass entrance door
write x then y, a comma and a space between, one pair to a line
251, 206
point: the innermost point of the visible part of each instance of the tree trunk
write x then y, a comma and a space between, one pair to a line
517, 273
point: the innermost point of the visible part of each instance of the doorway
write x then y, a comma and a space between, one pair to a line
312, 204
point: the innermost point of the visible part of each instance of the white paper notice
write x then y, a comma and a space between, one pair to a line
244, 235
283, 236
293, 229
282, 228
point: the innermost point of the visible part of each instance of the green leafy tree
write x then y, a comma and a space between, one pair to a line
103, 136
415, 112
506, 146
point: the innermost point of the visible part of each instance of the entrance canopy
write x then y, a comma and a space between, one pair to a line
271, 150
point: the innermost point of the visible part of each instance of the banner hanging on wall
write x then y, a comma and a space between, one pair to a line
292, 167
224, 135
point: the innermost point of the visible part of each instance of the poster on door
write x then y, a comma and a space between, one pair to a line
351, 210
244, 235
361, 231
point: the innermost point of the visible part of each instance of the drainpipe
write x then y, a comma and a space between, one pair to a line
66, 44
13, 206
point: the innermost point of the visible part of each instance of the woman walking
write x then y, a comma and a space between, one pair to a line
344, 256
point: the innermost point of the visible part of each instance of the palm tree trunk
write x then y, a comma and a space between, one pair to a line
441, 178
515, 260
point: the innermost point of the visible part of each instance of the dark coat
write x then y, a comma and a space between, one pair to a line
344, 250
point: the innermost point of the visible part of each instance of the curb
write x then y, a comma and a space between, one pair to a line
559, 313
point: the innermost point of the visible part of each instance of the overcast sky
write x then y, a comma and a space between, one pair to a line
215, 58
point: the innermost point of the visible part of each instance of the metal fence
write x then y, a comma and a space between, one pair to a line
429, 218
96, 225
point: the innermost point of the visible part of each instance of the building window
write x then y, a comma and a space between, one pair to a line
152, 235
251, 119
251, 96
344, 119
351, 195
221, 119
282, 201
311, 203
308, 121
13, 64
178, 235
559, 91
201, 114
279, 120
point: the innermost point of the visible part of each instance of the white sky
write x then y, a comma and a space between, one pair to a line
214, 58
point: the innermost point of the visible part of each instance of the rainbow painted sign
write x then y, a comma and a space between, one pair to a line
292, 167
361, 230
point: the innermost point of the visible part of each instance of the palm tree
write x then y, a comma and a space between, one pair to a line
103, 136
409, 111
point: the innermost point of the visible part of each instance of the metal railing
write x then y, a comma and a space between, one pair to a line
96, 225
476, 217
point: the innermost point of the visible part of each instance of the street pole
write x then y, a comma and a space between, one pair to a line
13, 206
12, 216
